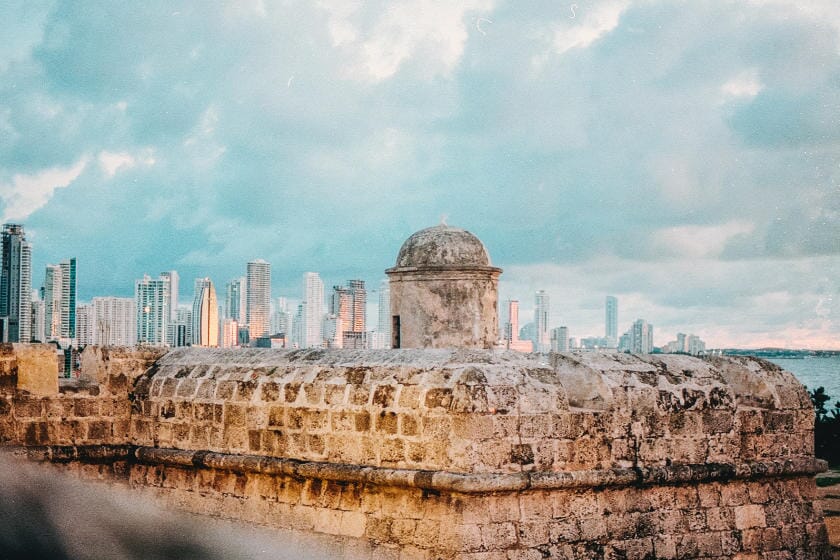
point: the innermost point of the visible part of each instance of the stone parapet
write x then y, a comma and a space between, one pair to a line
450, 454
473, 411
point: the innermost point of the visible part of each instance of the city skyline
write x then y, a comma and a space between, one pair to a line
680, 157
235, 304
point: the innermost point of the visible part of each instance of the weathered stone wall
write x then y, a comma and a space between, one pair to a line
453, 454
91, 411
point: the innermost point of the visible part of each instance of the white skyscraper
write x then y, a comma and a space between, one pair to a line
611, 323
60, 300
174, 283
151, 298
542, 341
85, 321
52, 302
258, 310
205, 314
114, 321
38, 319
313, 310
382, 337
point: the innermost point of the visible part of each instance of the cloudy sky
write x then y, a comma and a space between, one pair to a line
683, 156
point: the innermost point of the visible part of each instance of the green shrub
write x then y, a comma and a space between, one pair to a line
826, 428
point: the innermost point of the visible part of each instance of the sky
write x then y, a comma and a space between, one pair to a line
682, 156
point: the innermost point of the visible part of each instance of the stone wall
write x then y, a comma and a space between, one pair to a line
452, 454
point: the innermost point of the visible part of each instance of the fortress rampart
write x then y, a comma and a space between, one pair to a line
433, 453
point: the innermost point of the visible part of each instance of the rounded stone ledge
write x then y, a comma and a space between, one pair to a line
475, 483
70, 453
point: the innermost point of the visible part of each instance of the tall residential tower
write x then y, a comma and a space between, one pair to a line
258, 311
313, 310
15, 285
542, 340
611, 323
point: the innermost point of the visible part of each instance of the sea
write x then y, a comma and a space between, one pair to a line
815, 372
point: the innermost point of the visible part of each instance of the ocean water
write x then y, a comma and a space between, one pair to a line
815, 372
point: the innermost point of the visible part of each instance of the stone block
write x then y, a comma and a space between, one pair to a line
37, 369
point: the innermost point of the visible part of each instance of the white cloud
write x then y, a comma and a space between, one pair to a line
698, 241
112, 162
745, 84
594, 23
28, 193
427, 29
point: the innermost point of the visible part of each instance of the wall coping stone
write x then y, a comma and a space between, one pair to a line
440, 481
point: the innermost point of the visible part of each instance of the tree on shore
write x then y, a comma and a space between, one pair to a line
826, 427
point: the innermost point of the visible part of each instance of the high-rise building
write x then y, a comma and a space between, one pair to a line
114, 321
560, 339
205, 314
509, 319
236, 300
542, 341
174, 284
15, 285
85, 321
52, 301
313, 310
611, 323
68, 298
281, 319
38, 324
641, 337
151, 298
60, 300
384, 325
349, 305
230, 333
258, 309
183, 328
510, 328
695, 345
297, 328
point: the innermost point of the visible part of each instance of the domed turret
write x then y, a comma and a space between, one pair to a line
442, 246
444, 291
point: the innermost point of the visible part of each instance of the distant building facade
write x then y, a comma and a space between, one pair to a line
510, 328
611, 320
15, 285
205, 314
349, 306
542, 314
258, 296
312, 311
114, 321
85, 321
560, 339
151, 298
